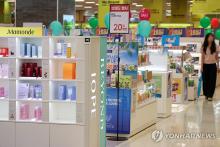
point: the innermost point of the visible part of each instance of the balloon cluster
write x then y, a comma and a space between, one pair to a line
144, 26
205, 22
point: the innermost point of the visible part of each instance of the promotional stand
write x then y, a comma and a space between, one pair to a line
52, 92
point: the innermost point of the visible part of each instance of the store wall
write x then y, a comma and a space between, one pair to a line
180, 12
42, 10
157, 10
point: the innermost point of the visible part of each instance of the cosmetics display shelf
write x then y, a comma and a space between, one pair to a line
50, 85
5, 58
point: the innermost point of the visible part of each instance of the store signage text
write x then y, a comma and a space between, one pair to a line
20, 31
102, 103
93, 97
119, 18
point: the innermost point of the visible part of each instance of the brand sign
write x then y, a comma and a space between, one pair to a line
170, 40
20, 31
119, 18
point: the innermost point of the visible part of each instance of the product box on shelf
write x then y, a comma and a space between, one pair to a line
69, 71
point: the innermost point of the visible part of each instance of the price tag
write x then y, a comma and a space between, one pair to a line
119, 18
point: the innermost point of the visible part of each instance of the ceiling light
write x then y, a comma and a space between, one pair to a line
79, 0
88, 7
139, 5
77, 6
89, 2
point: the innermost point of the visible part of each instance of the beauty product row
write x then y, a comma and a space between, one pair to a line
143, 96
69, 71
63, 49
31, 50
144, 76
26, 90
25, 112
4, 52
143, 59
31, 70
66, 93
3, 70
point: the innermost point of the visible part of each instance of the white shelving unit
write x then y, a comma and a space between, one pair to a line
159, 65
62, 122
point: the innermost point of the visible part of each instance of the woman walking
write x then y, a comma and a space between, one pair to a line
209, 66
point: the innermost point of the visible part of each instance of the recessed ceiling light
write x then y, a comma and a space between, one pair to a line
89, 2
78, 6
139, 5
88, 7
79, 0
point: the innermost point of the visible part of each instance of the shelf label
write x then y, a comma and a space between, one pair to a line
20, 31
119, 18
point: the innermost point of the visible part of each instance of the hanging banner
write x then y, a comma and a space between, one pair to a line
158, 32
124, 111
119, 18
195, 32
170, 40
177, 31
182, 32
20, 32
102, 31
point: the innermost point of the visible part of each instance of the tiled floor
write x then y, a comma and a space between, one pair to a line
200, 116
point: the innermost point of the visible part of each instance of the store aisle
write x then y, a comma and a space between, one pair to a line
200, 117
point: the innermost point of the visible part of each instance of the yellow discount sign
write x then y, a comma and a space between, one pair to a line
20, 31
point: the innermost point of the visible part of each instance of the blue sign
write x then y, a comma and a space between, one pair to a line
124, 111
170, 40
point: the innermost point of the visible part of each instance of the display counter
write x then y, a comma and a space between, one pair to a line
163, 81
179, 88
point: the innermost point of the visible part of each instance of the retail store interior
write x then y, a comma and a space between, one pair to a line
109, 73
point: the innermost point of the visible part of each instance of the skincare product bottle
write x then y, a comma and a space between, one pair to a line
5, 70
62, 92
58, 52
64, 48
1, 70
68, 51
24, 111
38, 113
71, 93
31, 91
2, 92
38, 91
34, 51
39, 50
23, 90
73, 97
28, 50
23, 50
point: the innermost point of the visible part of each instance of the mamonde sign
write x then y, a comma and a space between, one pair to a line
20, 31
